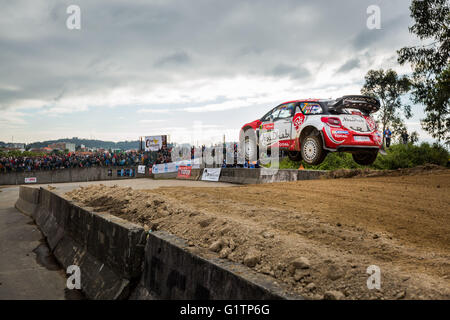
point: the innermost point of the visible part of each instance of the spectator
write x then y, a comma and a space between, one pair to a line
387, 137
73, 160
405, 137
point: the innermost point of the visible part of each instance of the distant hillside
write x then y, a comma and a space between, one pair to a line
89, 143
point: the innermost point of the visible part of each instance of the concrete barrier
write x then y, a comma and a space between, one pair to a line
173, 271
256, 176
68, 175
251, 176
28, 200
108, 250
117, 261
165, 175
195, 175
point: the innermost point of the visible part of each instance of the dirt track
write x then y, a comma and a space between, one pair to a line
315, 236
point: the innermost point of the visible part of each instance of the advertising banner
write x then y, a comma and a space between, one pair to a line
141, 169
211, 174
165, 167
31, 180
184, 172
155, 143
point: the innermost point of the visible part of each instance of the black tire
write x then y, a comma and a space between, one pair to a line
312, 151
365, 158
250, 146
294, 155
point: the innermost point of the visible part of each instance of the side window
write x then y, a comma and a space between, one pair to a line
310, 108
286, 111
273, 113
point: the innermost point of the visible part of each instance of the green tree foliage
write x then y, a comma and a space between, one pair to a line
409, 155
388, 87
431, 64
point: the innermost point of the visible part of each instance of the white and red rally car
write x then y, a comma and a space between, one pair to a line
309, 129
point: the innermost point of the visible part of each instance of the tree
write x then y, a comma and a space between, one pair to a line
388, 87
431, 64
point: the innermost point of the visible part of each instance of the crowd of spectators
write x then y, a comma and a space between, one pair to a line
82, 160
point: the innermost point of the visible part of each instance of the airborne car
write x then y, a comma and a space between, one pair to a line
309, 129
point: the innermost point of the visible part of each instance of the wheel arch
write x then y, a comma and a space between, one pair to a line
244, 129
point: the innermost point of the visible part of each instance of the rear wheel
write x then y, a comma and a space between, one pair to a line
294, 155
365, 158
312, 150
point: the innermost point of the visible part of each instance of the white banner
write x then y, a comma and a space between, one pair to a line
30, 180
153, 143
173, 166
164, 168
141, 169
211, 174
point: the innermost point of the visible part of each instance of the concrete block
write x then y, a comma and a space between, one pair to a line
171, 271
108, 250
28, 200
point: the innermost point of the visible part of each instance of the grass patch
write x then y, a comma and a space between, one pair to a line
398, 156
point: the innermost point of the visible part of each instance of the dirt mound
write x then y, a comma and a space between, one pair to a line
351, 173
317, 237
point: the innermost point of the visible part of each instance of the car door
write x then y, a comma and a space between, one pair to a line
283, 124
266, 130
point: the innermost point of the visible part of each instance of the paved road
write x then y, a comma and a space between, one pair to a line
21, 277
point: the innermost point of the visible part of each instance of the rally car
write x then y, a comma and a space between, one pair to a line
309, 129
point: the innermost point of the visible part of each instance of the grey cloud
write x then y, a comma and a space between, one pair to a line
391, 30
177, 58
134, 44
349, 65
293, 72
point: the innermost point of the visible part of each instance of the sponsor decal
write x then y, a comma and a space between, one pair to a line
267, 137
378, 138
155, 143
371, 123
340, 133
165, 167
285, 144
356, 123
211, 174
298, 120
268, 126
332, 136
353, 119
31, 180
141, 169
285, 134
184, 172
311, 108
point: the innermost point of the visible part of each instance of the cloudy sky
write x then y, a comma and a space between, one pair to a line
193, 69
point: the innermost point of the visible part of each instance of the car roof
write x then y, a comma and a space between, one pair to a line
305, 100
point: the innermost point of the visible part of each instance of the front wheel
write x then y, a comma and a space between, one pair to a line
250, 146
312, 150
365, 158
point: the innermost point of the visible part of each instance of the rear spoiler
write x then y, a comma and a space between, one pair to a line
365, 104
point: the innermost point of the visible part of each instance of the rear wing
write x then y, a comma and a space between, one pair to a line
365, 104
